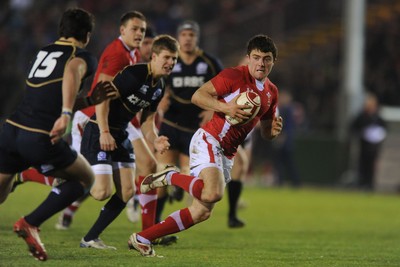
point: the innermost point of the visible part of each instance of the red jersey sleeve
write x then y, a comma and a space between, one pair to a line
225, 80
114, 61
270, 114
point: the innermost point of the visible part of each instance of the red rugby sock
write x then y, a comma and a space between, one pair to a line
176, 222
148, 204
191, 184
35, 176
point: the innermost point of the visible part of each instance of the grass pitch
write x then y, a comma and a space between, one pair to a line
284, 227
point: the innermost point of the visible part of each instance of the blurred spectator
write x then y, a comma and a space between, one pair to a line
283, 145
313, 66
369, 129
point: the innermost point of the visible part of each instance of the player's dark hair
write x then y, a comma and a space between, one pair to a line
263, 43
76, 23
164, 42
150, 32
131, 15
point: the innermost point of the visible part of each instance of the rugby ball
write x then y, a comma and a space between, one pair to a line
250, 99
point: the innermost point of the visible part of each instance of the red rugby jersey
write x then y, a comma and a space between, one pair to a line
114, 58
228, 84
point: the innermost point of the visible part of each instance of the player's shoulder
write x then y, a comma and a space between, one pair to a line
210, 58
89, 58
139, 67
207, 55
234, 72
114, 48
81, 52
140, 70
268, 83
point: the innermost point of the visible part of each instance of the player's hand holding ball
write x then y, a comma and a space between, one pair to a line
247, 106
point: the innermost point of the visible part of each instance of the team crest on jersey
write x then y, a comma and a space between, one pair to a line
143, 89
177, 67
201, 68
46, 167
101, 156
156, 94
269, 98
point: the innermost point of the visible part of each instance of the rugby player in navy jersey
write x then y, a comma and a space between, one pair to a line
32, 135
105, 140
182, 118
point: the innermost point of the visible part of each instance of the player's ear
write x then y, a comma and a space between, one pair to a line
88, 36
153, 55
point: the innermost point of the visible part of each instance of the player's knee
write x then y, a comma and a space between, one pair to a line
100, 194
211, 197
205, 215
127, 194
87, 181
200, 212
5, 187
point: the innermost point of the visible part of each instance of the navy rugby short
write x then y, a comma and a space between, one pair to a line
21, 149
178, 139
90, 146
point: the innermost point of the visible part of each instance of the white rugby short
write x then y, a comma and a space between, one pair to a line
205, 151
133, 132
78, 124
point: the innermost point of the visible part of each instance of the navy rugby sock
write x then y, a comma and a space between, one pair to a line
58, 199
234, 191
108, 213
160, 207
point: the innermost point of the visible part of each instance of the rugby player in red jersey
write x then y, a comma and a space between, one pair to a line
215, 144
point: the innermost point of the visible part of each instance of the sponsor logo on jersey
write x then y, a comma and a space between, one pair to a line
46, 167
188, 81
201, 68
138, 101
143, 89
101, 156
177, 68
56, 190
156, 94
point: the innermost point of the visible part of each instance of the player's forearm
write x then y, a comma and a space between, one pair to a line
82, 102
102, 111
266, 130
271, 128
70, 87
73, 74
205, 98
149, 129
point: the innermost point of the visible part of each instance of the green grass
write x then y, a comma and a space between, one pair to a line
306, 227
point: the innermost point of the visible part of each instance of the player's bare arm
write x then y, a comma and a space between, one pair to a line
74, 72
101, 92
206, 98
271, 128
164, 104
148, 127
107, 142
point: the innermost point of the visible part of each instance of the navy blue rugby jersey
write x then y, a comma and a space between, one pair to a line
183, 82
42, 103
137, 91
